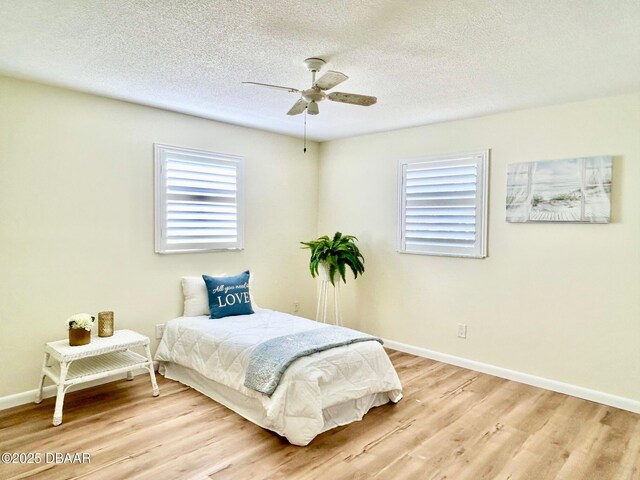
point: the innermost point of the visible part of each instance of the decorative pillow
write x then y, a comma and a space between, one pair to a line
228, 295
196, 299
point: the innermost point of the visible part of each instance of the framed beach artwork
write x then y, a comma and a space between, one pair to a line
570, 190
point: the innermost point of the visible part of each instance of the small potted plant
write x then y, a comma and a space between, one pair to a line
79, 326
331, 257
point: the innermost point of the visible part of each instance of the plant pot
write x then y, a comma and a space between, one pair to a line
79, 336
323, 273
321, 312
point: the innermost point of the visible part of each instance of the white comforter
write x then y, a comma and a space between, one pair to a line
220, 349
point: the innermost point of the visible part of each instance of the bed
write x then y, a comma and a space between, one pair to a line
315, 393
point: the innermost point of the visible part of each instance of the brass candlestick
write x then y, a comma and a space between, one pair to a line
105, 324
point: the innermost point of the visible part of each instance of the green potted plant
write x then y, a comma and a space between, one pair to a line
331, 257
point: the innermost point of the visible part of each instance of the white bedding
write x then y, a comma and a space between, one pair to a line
219, 350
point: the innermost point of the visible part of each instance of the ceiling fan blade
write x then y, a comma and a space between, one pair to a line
276, 87
298, 107
352, 98
330, 80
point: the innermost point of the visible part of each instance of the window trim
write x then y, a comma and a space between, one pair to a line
482, 220
160, 201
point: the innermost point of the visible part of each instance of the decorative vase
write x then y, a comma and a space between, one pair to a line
105, 324
79, 336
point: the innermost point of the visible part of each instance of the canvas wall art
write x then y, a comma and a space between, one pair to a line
570, 190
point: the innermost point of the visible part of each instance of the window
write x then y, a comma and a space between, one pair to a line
199, 202
443, 205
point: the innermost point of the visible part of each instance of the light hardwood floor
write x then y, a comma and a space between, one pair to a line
452, 424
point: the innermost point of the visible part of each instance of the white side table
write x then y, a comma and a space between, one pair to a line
103, 357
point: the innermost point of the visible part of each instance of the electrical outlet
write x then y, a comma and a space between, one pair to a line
462, 330
159, 330
296, 306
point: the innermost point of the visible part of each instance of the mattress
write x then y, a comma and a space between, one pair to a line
316, 393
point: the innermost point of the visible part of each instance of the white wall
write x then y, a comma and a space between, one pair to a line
76, 217
76, 234
560, 301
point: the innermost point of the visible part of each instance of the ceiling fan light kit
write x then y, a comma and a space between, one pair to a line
312, 108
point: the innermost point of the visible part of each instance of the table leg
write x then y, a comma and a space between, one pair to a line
57, 414
152, 374
42, 377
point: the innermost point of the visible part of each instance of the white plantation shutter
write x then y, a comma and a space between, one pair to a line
198, 200
443, 205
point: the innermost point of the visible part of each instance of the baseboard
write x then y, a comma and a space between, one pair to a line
548, 384
29, 396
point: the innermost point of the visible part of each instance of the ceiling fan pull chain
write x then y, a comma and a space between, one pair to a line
305, 131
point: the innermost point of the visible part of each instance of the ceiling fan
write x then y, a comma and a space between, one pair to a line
310, 97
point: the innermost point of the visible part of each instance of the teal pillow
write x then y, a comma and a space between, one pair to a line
228, 295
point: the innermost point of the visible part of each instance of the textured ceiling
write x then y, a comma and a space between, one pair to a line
426, 61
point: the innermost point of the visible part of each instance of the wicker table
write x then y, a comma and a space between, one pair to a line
103, 357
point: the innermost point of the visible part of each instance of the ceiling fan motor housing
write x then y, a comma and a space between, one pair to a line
314, 95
